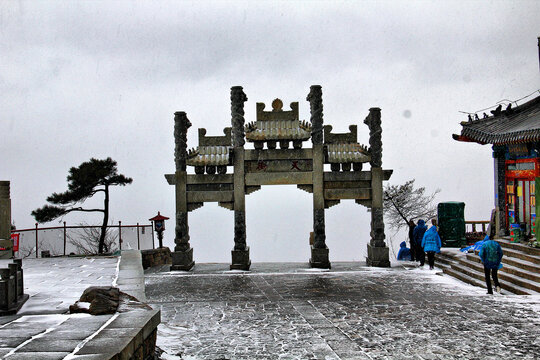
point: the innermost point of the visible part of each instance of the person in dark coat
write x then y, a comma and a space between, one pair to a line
491, 255
418, 234
412, 225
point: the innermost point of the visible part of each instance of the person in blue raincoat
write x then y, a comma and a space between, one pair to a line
418, 234
431, 243
404, 253
491, 255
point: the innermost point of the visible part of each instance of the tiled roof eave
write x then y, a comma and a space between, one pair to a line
508, 138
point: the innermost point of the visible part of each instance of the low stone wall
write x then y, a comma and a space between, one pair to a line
12, 296
132, 335
155, 257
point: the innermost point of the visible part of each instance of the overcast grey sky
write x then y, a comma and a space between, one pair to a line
85, 79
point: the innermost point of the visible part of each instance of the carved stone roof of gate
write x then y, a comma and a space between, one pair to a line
209, 155
347, 153
212, 150
277, 124
343, 147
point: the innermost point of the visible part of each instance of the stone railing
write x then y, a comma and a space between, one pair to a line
12, 295
155, 257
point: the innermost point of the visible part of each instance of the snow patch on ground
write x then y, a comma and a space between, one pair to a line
314, 270
236, 271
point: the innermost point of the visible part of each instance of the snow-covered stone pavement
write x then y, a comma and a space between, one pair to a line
43, 329
287, 311
55, 283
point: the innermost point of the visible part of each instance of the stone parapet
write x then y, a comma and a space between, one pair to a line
131, 335
12, 296
156, 257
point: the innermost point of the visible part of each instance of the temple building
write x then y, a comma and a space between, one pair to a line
514, 133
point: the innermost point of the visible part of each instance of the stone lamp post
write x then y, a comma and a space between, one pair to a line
159, 226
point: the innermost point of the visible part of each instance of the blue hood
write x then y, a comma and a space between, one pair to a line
432, 231
402, 245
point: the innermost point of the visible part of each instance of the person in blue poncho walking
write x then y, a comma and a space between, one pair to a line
431, 243
418, 234
491, 255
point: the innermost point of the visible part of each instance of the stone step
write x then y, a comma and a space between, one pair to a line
526, 270
444, 259
463, 277
505, 243
508, 273
510, 252
523, 264
477, 278
442, 266
521, 267
475, 282
477, 270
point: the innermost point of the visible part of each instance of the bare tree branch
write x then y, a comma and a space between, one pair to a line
86, 242
403, 203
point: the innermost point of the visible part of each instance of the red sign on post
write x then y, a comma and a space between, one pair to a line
15, 239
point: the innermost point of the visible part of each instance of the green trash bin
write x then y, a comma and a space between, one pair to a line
451, 222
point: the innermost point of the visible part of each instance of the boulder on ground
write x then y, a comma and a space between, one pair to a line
102, 299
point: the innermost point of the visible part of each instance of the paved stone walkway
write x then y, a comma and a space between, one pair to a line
44, 330
55, 283
285, 311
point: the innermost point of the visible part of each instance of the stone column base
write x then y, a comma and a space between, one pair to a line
182, 260
240, 259
319, 258
377, 256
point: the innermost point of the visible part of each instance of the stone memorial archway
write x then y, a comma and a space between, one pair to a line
253, 168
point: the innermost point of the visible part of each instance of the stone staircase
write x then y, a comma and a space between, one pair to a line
520, 273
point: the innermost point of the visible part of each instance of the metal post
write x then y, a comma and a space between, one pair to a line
65, 236
120, 234
36, 240
138, 238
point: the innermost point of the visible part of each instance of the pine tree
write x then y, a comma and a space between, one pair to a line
86, 180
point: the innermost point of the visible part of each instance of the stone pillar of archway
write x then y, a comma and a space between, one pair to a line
182, 257
240, 252
378, 254
319, 250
